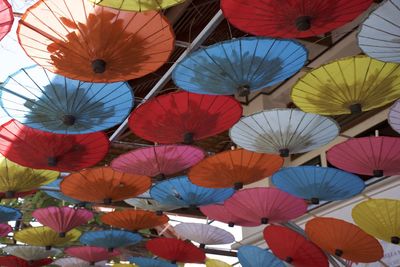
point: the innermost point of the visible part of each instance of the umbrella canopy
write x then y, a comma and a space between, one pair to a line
58, 195
294, 248
220, 213
349, 85
315, 183
110, 239
184, 117
175, 250
234, 168
31, 253
376, 156
283, 131
181, 192
379, 218
265, 205
136, 44
251, 256
394, 116
343, 239
158, 161
59, 152
148, 262
104, 185
75, 262
6, 18
138, 5
12, 261
5, 229
291, 19
134, 220
216, 263
150, 204
91, 254
204, 234
241, 66
62, 219
378, 36
52, 103
9, 214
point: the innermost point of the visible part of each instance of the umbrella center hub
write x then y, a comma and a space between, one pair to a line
338, 252
303, 23
52, 161
68, 119
355, 108
289, 259
284, 152
243, 90
188, 138
99, 66
395, 240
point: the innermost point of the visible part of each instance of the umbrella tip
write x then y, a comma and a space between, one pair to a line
110, 249
238, 186
284, 152
231, 224
303, 23
52, 161
264, 220
62, 234
159, 212
99, 66
68, 119
9, 194
377, 173
314, 200
395, 240
188, 138
338, 252
289, 259
107, 201
355, 108
202, 246
48, 247
243, 90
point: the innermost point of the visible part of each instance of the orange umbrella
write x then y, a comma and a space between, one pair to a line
88, 42
134, 220
344, 239
104, 185
234, 168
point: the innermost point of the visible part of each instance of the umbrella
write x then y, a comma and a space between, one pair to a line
265, 205
71, 43
6, 18
252, 256
62, 219
12, 261
75, 262
7, 195
283, 131
315, 183
134, 220
344, 240
31, 253
349, 85
16, 179
150, 204
91, 254
158, 161
58, 152
291, 19
9, 214
181, 192
379, 218
394, 116
104, 185
234, 168
375, 155
220, 213
110, 239
216, 263
241, 66
294, 248
148, 262
57, 194
378, 36
204, 234
175, 250
138, 5
49, 102
44, 236
184, 117
5, 229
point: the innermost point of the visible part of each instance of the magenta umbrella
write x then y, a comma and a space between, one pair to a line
220, 213
5, 229
394, 116
263, 205
375, 156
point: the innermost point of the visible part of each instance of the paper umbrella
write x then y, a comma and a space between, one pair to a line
91, 254
138, 5
110, 239
220, 213
9, 214
31, 253
149, 262
394, 116
57, 194
251, 256
6, 18
12, 261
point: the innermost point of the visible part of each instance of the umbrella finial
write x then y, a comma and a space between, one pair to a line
395, 240
231, 224
289, 259
188, 138
9, 194
377, 173
159, 212
264, 220
238, 186
110, 249
68, 119
61, 234
99, 66
314, 200
303, 23
284, 152
355, 108
243, 90
48, 247
52, 161
338, 252
107, 201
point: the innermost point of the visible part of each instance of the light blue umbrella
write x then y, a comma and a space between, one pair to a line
9, 214
110, 239
251, 256
148, 262
58, 194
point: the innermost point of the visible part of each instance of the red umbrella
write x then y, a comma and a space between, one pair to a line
42, 150
220, 213
5, 229
91, 254
6, 18
12, 261
294, 248
17, 194
184, 117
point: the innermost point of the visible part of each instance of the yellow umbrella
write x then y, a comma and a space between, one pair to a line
216, 263
138, 5
348, 85
16, 178
379, 218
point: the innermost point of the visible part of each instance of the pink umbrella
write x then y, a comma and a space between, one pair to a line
158, 161
264, 205
5, 229
62, 219
220, 213
377, 156
91, 254
394, 116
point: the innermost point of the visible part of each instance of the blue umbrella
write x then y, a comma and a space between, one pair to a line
110, 239
50, 102
9, 214
240, 65
58, 194
317, 183
147, 262
251, 256
181, 192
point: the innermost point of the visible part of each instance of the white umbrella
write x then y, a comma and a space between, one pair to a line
394, 116
75, 262
149, 204
31, 253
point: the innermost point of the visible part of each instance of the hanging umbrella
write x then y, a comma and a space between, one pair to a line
58, 152
6, 18
204, 234
5, 229
265, 205
181, 192
150, 204
49, 102
31, 253
234, 168
138, 5
378, 36
294, 248
91, 254
158, 161
349, 85
175, 250
394, 116
12, 261
216, 263
57, 194
315, 183
379, 218
376, 156
252, 256
283, 131
148, 262
110, 239
291, 19
9, 214
220, 213
137, 43
44, 236
134, 220
344, 240
239, 66
75, 262
184, 117
62, 219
